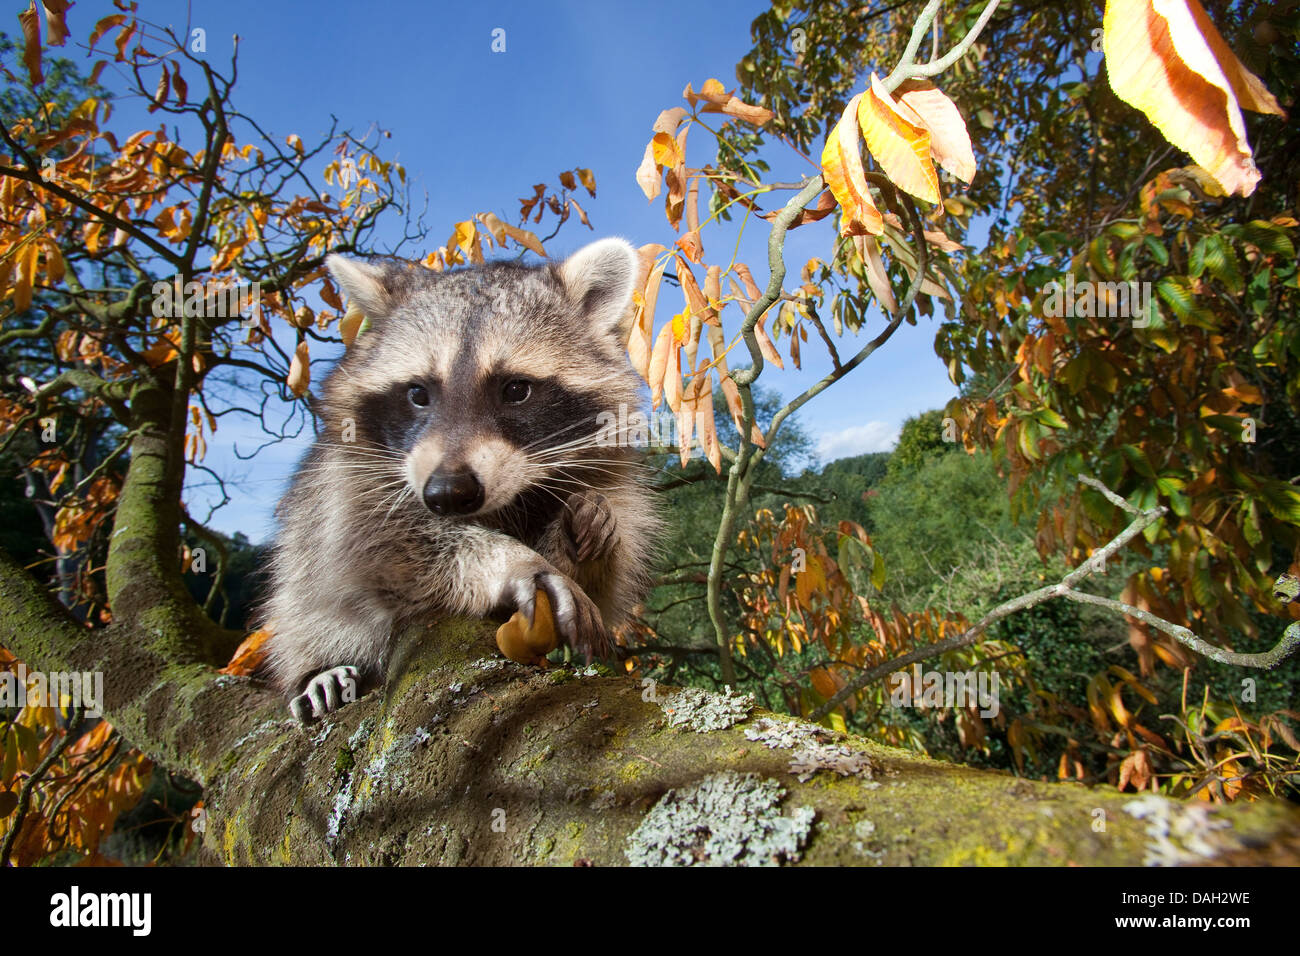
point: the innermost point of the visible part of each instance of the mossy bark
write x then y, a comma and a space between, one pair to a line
464, 758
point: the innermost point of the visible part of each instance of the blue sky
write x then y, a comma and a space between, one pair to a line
579, 84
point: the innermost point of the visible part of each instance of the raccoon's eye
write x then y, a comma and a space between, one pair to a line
516, 391
418, 395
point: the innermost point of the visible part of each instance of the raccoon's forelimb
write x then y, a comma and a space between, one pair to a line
590, 530
326, 692
498, 573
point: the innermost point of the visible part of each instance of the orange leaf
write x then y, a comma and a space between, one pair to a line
525, 238
299, 376
248, 655
1165, 58
842, 168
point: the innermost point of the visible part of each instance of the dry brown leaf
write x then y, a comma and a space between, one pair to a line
824, 206
525, 238
664, 345
56, 20
30, 21
765, 344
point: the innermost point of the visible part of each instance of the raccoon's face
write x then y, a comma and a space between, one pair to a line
488, 382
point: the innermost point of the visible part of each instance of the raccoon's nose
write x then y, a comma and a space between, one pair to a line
456, 494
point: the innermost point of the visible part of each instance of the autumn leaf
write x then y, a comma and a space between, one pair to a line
525, 238
350, 325
31, 26
248, 655
528, 642
718, 100
299, 376
179, 85
1166, 59
56, 22
824, 206
649, 175
949, 140
899, 141
869, 250
103, 26
841, 164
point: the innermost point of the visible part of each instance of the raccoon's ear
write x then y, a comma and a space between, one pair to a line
598, 278
368, 286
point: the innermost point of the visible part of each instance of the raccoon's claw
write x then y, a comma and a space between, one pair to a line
589, 526
577, 619
327, 691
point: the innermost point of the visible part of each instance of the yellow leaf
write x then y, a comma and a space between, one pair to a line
949, 139
350, 324
665, 150
26, 277
1165, 58
899, 141
842, 169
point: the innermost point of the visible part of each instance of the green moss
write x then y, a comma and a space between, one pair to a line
344, 762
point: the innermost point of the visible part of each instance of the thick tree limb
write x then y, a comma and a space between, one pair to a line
465, 758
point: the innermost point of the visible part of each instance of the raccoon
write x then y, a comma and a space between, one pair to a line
460, 468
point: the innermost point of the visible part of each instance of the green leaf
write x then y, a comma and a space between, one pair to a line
1051, 418
1156, 250
1196, 261
1202, 583
1271, 240
1051, 241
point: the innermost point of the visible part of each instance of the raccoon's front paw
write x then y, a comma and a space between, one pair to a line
327, 691
577, 619
589, 526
